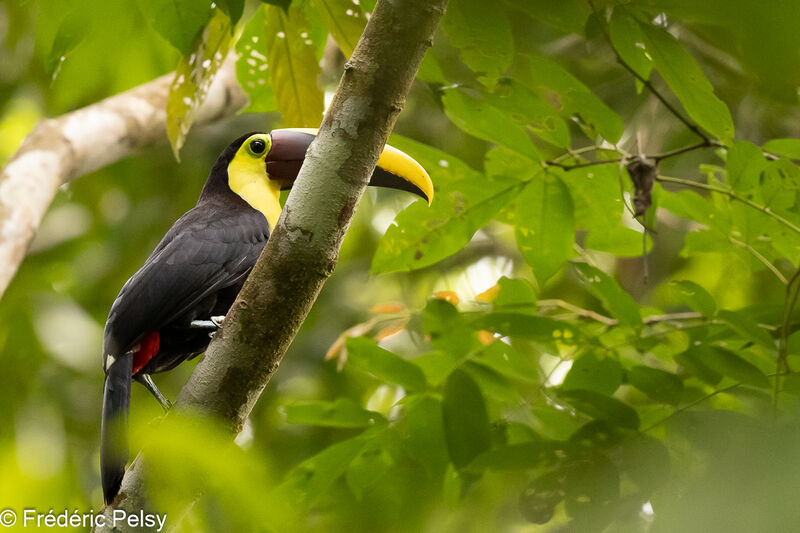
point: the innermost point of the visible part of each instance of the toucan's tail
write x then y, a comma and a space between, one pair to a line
114, 427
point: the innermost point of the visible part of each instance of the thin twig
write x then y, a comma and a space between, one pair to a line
764, 260
586, 313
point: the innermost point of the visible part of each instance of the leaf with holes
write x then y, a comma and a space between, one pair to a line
252, 67
345, 21
178, 21
193, 78
293, 66
482, 34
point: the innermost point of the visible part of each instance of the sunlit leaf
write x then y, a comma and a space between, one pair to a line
178, 21
345, 22
744, 164
482, 34
293, 66
685, 78
193, 78
607, 290
252, 67
528, 326
70, 33
594, 373
425, 433
696, 297
545, 225
232, 8
525, 107
480, 119
628, 41
508, 362
744, 324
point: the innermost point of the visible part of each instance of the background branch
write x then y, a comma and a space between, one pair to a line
303, 249
60, 150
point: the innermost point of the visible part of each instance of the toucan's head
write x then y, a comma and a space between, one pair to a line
257, 166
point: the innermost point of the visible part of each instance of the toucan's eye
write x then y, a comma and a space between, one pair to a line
257, 146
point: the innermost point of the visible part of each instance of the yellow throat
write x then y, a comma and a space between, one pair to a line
247, 177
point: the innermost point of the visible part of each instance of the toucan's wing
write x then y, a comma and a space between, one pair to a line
206, 250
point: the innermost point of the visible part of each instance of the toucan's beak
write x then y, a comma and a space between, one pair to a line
395, 169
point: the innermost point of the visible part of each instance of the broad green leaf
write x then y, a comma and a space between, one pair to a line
436, 366
371, 464
528, 327
446, 327
685, 78
424, 235
594, 373
193, 78
526, 108
283, 4
786, 147
689, 205
251, 65
744, 325
70, 33
659, 385
312, 478
501, 162
726, 363
508, 362
293, 66
545, 229
178, 21
345, 22
343, 413
466, 423
694, 361
482, 34
516, 295
232, 8
602, 407
628, 41
696, 297
607, 290
744, 164
365, 355
779, 185
520, 456
425, 433
482, 120
568, 95
565, 15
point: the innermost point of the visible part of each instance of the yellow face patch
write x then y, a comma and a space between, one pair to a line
247, 177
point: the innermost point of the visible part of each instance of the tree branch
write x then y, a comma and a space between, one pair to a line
303, 249
60, 150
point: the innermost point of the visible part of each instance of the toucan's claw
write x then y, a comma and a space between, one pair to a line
150, 385
218, 320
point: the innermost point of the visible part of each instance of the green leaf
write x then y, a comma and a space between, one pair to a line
283, 4
696, 297
178, 21
565, 15
685, 78
232, 8
786, 147
526, 108
545, 229
521, 456
312, 478
607, 290
345, 21
425, 433
193, 78
484, 121
515, 295
593, 373
743, 324
251, 65
744, 164
569, 96
657, 384
436, 366
342, 413
371, 464
779, 185
508, 362
446, 327
482, 34
293, 66
70, 33
694, 361
424, 235
646, 461
602, 407
365, 355
466, 422
528, 327
728, 364
627, 39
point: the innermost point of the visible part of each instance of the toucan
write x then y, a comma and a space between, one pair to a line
167, 311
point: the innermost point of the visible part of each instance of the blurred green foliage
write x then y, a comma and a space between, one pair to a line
503, 360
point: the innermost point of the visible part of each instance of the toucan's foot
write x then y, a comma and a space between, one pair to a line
218, 320
150, 385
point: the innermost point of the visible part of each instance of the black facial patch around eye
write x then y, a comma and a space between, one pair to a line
257, 146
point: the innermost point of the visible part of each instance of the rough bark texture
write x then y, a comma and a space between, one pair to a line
303, 249
65, 148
